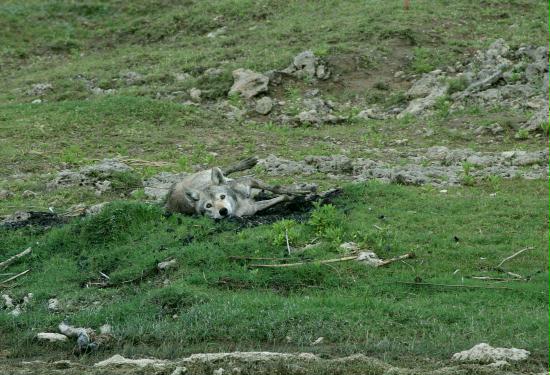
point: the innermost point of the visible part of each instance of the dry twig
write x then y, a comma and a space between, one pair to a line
14, 277
9, 261
514, 255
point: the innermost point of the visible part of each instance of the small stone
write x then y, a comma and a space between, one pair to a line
16, 312
399, 74
349, 246
51, 337
216, 33
167, 265
5, 194
180, 77
485, 353
8, 301
36, 101
53, 304
195, 94
318, 341
28, 194
264, 105
219, 371
179, 371
106, 329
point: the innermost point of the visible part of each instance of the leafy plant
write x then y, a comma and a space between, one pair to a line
282, 229
326, 222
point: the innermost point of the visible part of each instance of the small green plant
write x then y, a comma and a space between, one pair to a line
456, 85
183, 163
467, 179
522, 134
72, 154
382, 86
443, 106
494, 181
545, 126
423, 61
283, 229
326, 222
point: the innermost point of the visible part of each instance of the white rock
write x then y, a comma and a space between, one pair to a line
264, 105
179, 371
219, 371
369, 258
248, 83
195, 94
106, 329
36, 101
51, 337
118, 360
16, 312
8, 301
53, 304
485, 353
349, 246
71, 331
167, 265
318, 341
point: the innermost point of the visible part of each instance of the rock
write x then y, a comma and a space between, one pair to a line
71, 331
132, 78
167, 265
5, 194
307, 65
425, 93
181, 77
538, 121
426, 85
349, 246
219, 371
28, 194
106, 329
53, 304
337, 164
213, 72
36, 101
118, 360
16, 311
90, 175
51, 337
195, 94
318, 341
96, 208
248, 83
179, 371
102, 187
8, 301
39, 89
369, 258
216, 33
369, 113
264, 105
484, 353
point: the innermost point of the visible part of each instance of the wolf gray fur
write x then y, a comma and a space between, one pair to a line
212, 194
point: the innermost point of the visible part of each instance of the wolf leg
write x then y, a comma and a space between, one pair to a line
254, 183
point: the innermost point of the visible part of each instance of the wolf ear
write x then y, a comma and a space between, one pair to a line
192, 195
241, 189
217, 176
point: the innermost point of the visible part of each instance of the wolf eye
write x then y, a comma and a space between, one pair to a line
208, 205
222, 196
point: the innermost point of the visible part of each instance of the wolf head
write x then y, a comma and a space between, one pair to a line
217, 200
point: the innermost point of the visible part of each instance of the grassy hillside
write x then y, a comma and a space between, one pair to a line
114, 80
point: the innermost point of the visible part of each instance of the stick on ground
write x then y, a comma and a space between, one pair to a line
514, 255
9, 261
14, 277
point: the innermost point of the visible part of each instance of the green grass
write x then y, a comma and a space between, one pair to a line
222, 304
213, 303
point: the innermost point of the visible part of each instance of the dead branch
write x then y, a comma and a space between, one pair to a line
490, 278
452, 285
237, 257
14, 258
14, 277
514, 255
344, 259
287, 242
391, 260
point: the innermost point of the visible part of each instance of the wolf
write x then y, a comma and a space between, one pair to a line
212, 194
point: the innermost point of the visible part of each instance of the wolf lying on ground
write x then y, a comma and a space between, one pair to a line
212, 194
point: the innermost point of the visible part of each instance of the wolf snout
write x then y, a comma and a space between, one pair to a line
223, 211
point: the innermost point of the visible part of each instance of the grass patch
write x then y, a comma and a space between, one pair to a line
208, 300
